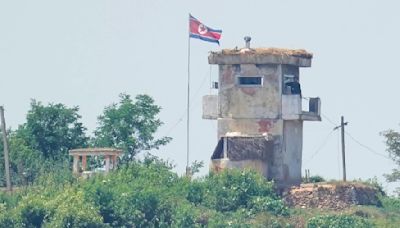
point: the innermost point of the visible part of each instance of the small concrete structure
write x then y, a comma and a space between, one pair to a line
259, 111
242, 152
110, 157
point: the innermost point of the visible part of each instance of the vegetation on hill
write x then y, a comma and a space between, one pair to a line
392, 139
148, 194
142, 194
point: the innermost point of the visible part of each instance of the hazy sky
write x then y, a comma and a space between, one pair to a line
87, 52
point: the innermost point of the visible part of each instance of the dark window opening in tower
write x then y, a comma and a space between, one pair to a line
292, 85
249, 81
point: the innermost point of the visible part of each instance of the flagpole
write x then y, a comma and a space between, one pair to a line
187, 108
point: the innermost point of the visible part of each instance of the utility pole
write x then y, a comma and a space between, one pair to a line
5, 145
342, 124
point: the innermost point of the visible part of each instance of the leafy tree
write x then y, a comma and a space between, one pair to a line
392, 139
44, 140
52, 129
25, 161
130, 125
196, 166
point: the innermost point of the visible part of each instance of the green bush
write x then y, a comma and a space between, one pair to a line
342, 221
9, 200
221, 220
145, 208
138, 194
56, 174
274, 206
66, 208
69, 209
187, 215
103, 197
391, 203
234, 189
314, 179
7, 219
195, 192
143, 194
272, 221
149, 194
32, 211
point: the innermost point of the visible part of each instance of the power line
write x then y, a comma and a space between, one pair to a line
329, 120
180, 119
357, 141
366, 147
325, 141
201, 85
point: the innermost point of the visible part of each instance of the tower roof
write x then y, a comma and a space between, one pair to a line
297, 57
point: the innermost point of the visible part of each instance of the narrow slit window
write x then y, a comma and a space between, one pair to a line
250, 81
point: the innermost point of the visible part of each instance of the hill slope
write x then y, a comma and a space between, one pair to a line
148, 194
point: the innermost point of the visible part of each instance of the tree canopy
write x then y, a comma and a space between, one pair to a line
53, 129
392, 139
42, 142
130, 125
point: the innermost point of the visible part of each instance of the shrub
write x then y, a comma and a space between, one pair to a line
391, 203
272, 221
314, 179
144, 208
187, 215
238, 218
234, 189
103, 198
143, 194
342, 221
138, 194
7, 219
32, 211
195, 192
9, 200
55, 174
69, 209
22, 208
274, 206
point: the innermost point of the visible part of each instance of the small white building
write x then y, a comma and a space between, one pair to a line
80, 159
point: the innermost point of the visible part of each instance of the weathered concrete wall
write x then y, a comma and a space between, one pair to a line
250, 102
210, 107
290, 70
219, 58
248, 127
291, 107
217, 165
292, 152
237, 148
255, 111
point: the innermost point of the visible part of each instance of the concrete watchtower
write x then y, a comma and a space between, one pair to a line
259, 111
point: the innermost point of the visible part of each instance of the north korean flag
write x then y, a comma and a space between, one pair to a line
199, 31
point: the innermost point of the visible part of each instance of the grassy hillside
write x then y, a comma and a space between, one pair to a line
148, 194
